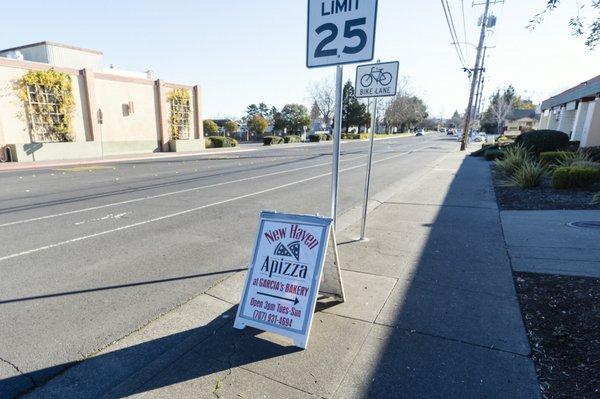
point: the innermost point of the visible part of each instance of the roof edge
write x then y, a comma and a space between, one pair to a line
50, 43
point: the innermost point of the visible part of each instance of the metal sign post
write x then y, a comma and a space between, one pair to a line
339, 33
374, 80
363, 224
337, 134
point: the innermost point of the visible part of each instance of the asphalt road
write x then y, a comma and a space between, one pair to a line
90, 254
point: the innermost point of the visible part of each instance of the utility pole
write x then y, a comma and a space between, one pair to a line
478, 89
476, 71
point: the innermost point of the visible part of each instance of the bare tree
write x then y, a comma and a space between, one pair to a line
323, 96
501, 104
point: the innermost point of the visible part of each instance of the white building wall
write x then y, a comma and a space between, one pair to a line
552, 121
565, 123
74, 58
579, 121
591, 127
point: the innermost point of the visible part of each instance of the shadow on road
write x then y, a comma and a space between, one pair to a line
114, 287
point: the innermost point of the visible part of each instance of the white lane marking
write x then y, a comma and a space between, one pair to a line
149, 197
106, 217
184, 212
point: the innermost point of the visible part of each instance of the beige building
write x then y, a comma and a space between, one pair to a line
576, 112
520, 120
115, 112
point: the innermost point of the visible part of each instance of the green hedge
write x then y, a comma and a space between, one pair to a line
575, 177
292, 138
270, 140
219, 142
539, 141
314, 138
552, 157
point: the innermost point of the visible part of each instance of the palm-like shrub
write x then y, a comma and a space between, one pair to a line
596, 199
514, 158
570, 158
528, 175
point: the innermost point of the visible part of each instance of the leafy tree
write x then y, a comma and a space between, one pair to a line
294, 117
252, 110
257, 124
353, 112
231, 126
261, 109
579, 24
210, 127
405, 112
456, 121
278, 122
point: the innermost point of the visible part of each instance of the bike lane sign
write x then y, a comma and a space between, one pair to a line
340, 32
377, 80
282, 282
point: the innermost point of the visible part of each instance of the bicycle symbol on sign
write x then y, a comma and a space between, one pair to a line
376, 75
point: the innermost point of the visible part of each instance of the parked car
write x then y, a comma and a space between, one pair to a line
450, 132
480, 137
420, 132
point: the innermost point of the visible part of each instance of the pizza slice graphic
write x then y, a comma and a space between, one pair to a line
294, 248
282, 250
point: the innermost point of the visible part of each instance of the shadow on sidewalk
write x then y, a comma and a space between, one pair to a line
135, 364
451, 326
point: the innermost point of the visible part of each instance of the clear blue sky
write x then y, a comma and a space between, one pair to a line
243, 51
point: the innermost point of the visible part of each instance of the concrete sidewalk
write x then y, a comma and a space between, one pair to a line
431, 313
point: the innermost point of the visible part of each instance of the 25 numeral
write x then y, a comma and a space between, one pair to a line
351, 30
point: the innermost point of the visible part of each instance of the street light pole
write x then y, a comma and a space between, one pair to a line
475, 78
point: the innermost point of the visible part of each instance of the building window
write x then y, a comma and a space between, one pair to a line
44, 114
180, 114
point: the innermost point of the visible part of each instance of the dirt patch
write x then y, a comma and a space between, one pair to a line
562, 317
540, 198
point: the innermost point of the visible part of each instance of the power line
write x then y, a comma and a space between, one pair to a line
462, 6
454, 30
453, 35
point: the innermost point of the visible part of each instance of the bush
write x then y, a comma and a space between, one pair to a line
586, 164
351, 136
491, 154
569, 158
565, 177
538, 141
596, 199
315, 138
551, 157
326, 136
514, 157
219, 142
529, 174
269, 140
593, 153
573, 146
291, 138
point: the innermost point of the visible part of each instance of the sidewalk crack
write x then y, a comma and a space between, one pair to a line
14, 366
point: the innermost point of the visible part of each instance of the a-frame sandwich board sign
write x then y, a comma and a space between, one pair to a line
283, 279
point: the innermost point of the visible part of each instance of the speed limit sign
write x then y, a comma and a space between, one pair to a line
340, 32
